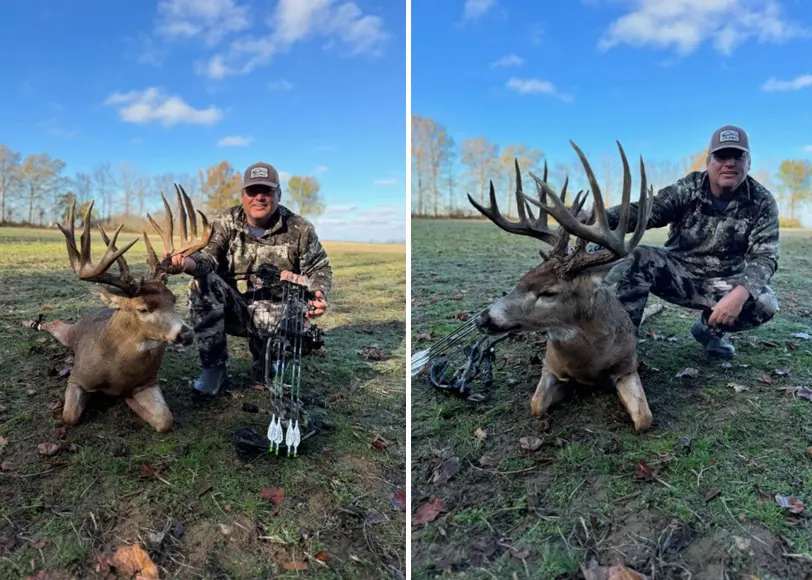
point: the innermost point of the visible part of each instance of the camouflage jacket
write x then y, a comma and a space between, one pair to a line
738, 243
290, 243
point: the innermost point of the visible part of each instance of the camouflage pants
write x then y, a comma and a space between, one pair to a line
657, 271
218, 310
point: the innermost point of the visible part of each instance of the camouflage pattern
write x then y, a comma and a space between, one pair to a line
291, 243
738, 243
659, 272
712, 247
219, 307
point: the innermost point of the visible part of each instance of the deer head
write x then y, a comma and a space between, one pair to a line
146, 306
568, 286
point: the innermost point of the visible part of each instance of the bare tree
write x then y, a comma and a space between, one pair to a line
40, 176
104, 183
528, 159
481, 157
9, 176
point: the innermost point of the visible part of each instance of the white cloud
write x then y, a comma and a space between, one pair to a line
152, 104
280, 85
807, 148
235, 141
295, 21
799, 82
536, 86
509, 60
475, 8
350, 223
385, 182
210, 19
685, 24
320, 169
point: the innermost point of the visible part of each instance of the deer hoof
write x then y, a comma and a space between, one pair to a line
643, 422
536, 406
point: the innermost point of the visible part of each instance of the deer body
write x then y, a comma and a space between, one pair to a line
118, 350
591, 338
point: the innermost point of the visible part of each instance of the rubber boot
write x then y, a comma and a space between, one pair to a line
715, 346
211, 380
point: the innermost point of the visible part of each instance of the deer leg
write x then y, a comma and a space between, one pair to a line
549, 391
630, 389
149, 404
75, 402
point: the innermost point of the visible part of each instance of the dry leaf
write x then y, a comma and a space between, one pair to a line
6, 466
135, 560
321, 556
737, 387
488, 461
688, 372
479, 433
530, 443
398, 500
792, 504
47, 449
428, 512
379, 442
3, 442
767, 379
273, 494
295, 565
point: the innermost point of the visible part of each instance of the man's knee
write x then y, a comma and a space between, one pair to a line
766, 306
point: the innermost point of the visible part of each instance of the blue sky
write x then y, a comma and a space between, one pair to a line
657, 75
315, 88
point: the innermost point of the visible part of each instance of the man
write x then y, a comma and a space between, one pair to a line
721, 251
258, 232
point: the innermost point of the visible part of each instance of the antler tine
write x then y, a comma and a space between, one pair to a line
644, 207
81, 261
196, 243
168, 235
184, 234
523, 228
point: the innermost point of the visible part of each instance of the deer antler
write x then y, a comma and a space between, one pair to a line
81, 261
528, 224
596, 229
188, 245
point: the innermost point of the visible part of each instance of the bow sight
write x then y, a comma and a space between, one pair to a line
278, 309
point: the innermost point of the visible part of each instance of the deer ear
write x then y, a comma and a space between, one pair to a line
608, 274
113, 298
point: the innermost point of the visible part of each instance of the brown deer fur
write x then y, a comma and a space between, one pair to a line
570, 295
118, 350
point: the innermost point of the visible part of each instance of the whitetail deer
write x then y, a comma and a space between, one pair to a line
591, 338
118, 350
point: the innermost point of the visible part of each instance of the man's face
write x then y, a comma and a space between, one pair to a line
259, 202
727, 168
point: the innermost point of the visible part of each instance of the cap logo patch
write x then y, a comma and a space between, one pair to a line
729, 135
263, 172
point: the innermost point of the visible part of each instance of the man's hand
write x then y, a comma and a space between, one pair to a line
180, 264
729, 307
319, 305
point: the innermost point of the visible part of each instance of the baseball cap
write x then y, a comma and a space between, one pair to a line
729, 137
261, 174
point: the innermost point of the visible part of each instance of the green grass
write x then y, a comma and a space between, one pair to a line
65, 513
524, 517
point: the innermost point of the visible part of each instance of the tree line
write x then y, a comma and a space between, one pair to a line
36, 190
445, 172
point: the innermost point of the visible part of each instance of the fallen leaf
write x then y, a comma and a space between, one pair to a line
792, 504
379, 442
712, 494
737, 387
203, 489
643, 470
135, 560
321, 556
488, 461
294, 565
458, 296
47, 449
6, 466
224, 529
612, 447
446, 470
3, 442
375, 518
767, 379
428, 512
792, 346
688, 372
273, 494
371, 353
398, 500
530, 443
147, 471
782, 372
480, 434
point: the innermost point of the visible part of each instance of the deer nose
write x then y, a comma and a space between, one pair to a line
483, 321
186, 336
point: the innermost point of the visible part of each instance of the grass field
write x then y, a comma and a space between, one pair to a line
183, 496
695, 497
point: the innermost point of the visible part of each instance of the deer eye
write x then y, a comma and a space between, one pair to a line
143, 309
546, 294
